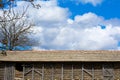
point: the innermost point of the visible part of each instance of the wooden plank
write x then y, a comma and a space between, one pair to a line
43, 72
72, 73
82, 77
23, 71
33, 72
13, 71
108, 72
62, 70
5, 72
103, 70
92, 72
2, 69
87, 72
38, 72
28, 72
9, 71
52, 72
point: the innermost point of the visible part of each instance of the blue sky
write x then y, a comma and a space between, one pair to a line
107, 8
75, 24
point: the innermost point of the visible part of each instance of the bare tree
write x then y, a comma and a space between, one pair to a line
37, 6
14, 29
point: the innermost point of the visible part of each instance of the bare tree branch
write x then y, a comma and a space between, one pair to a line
14, 28
11, 11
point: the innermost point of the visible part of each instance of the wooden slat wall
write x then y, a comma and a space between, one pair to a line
9, 71
70, 71
61, 71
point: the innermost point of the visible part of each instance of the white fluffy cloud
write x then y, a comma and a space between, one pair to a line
88, 20
55, 30
47, 14
93, 2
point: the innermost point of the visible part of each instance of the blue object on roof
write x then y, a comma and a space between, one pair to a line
8, 3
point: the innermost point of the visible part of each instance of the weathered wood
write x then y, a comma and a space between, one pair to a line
62, 70
38, 72
5, 72
108, 72
28, 72
9, 72
92, 72
33, 72
82, 76
57, 71
72, 74
43, 72
88, 72
52, 72
2, 68
13, 71
23, 71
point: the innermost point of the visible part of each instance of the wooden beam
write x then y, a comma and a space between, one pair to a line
62, 70
52, 72
23, 71
38, 72
13, 70
27, 72
82, 72
103, 70
33, 72
42, 71
92, 72
88, 72
72, 73
5, 72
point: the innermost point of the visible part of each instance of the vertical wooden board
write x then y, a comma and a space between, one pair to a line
77, 71
88, 67
37, 71
117, 71
28, 76
38, 67
2, 67
28, 72
98, 74
57, 71
28, 68
86, 71
108, 71
62, 71
87, 76
43, 67
37, 76
47, 71
9, 71
67, 71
